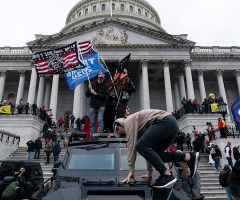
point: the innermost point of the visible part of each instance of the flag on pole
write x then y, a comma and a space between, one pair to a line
235, 108
5, 109
89, 56
49, 113
57, 61
120, 73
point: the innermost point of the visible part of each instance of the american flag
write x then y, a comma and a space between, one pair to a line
57, 61
120, 74
85, 49
127, 113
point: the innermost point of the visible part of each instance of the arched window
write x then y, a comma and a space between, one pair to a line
80, 14
122, 7
103, 7
86, 11
146, 14
131, 9
113, 6
139, 11
94, 8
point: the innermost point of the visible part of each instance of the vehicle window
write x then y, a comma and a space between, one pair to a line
97, 159
140, 163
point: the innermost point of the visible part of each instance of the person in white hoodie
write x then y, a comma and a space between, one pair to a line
150, 132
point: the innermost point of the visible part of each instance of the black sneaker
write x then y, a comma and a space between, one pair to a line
164, 181
193, 163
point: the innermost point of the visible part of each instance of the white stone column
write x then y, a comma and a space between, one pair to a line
21, 84
181, 84
140, 95
3, 75
54, 96
82, 101
76, 101
168, 88
47, 92
188, 72
201, 85
222, 92
40, 91
145, 89
176, 93
237, 75
32, 87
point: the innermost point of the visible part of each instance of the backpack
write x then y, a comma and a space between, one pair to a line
223, 178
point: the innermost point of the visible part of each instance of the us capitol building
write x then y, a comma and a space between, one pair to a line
164, 67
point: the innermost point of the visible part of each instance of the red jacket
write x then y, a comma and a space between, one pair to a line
172, 148
60, 121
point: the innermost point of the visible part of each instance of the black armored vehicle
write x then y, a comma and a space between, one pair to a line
93, 169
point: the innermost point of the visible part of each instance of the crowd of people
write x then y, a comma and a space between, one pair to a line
193, 106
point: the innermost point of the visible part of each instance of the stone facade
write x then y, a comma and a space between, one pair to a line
164, 67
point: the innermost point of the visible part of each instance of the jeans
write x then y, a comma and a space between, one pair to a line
48, 155
217, 160
55, 159
93, 113
29, 155
156, 139
228, 192
230, 161
37, 151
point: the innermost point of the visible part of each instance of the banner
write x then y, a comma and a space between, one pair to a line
5, 109
57, 61
214, 107
49, 113
235, 108
91, 70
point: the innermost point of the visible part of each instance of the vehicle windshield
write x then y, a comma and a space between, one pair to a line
95, 159
140, 163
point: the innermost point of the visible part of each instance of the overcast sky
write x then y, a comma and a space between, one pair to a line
207, 22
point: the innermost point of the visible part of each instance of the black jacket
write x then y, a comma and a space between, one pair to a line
236, 153
217, 154
100, 99
38, 144
30, 146
235, 179
197, 145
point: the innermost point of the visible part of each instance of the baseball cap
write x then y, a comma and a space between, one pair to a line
101, 74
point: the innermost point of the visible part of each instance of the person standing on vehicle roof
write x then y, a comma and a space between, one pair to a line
150, 132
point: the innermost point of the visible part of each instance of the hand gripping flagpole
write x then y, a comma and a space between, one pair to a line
105, 67
85, 70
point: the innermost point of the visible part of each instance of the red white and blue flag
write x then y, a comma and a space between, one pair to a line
58, 61
235, 108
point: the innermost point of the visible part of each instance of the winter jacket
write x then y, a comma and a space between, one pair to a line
134, 126
235, 179
60, 121
126, 92
197, 145
98, 100
30, 146
218, 153
38, 144
236, 153
56, 149
228, 180
48, 147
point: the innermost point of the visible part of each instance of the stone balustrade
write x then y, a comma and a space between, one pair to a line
15, 51
215, 50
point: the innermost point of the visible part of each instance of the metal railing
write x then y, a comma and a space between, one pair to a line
9, 137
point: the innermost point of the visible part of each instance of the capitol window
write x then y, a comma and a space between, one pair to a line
146, 14
94, 8
80, 14
139, 11
131, 9
113, 6
86, 11
122, 7
103, 7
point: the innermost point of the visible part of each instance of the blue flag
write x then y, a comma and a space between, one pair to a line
235, 108
92, 67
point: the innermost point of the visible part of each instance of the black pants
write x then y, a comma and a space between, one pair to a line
180, 146
48, 156
189, 144
156, 139
121, 109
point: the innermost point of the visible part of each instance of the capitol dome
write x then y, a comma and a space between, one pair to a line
136, 11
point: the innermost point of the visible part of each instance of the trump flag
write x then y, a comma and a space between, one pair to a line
89, 56
235, 108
